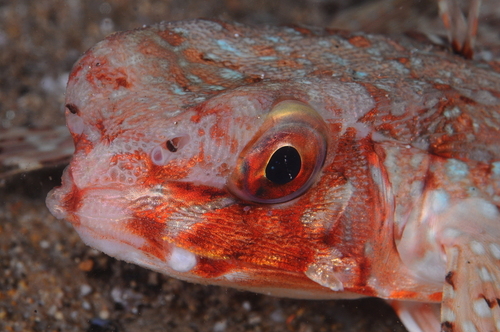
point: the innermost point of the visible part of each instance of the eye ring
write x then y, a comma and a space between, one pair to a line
283, 158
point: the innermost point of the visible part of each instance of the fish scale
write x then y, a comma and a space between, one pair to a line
404, 199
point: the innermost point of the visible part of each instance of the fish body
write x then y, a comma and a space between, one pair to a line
292, 161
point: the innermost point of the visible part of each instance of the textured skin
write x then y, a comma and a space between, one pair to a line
167, 120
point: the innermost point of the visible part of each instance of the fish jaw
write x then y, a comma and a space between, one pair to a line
99, 215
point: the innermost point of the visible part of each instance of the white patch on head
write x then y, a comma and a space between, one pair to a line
451, 233
181, 260
362, 130
452, 113
456, 170
495, 250
477, 248
468, 326
439, 200
496, 168
489, 210
481, 308
417, 160
484, 274
448, 315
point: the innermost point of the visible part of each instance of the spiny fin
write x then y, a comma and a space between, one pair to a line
471, 296
461, 31
471, 293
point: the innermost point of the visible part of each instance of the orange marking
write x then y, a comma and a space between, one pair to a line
72, 202
264, 50
360, 41
402, 295
82, 144
171, 37
302, 30
212, 268
436, 297
257, 237
404, 61
101, 72
195, 56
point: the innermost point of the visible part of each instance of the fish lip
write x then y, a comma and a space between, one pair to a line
67, 200
52, 202
55, 200
101, 203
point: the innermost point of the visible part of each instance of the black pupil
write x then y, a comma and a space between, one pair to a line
284, 165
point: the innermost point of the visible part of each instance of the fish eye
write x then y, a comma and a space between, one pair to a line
283, 158
284, 165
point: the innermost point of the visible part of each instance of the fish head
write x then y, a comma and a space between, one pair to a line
224, 188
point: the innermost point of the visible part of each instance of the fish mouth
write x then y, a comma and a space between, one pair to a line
103, 218
96, 204
57, 198
99, 215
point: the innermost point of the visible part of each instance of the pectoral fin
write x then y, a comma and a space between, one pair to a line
471, 294
418, 316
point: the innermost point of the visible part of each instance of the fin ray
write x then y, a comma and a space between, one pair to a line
471, 243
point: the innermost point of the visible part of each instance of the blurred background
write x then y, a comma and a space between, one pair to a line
51, 281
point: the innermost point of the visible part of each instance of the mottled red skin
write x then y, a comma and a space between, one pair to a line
191, 72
